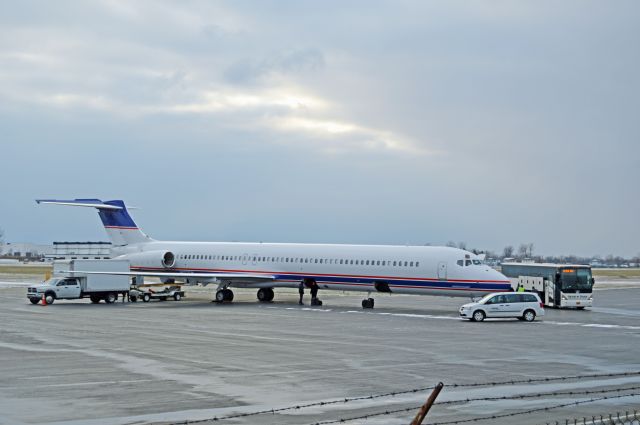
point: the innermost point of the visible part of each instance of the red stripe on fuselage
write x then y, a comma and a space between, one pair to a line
186, 269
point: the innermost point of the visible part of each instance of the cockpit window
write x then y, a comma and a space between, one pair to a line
477, 262
467, 263
460, 263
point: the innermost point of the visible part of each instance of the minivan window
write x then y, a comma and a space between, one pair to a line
512, 298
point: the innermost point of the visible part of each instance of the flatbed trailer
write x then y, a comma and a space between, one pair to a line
148, 294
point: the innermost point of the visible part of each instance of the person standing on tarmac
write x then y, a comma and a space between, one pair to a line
301, 292
314, 292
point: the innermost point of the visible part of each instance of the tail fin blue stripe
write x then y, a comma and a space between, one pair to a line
117, 218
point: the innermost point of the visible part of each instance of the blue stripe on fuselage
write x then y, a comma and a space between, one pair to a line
392, 282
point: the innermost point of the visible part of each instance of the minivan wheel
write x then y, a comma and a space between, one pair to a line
478, 316
529, 315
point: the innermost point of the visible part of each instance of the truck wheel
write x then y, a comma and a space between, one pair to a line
146, 298
34, 300
94, 299
133, 298
111, 298
177, 296
50, 297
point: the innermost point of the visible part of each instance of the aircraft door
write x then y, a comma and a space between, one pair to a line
442, 270
254, 259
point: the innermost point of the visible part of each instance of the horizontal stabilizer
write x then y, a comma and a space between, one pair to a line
119, 225
94, 203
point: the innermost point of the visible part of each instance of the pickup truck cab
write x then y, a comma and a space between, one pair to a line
55, 288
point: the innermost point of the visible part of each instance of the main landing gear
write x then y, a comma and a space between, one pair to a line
224, 295
367, 303
265, 295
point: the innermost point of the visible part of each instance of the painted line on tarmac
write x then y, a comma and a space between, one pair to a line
436, 317
592, 325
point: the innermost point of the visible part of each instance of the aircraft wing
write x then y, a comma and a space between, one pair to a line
205, 277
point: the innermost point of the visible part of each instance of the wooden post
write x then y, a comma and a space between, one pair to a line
422, 413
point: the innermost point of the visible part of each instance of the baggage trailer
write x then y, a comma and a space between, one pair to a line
147, 294
69, 282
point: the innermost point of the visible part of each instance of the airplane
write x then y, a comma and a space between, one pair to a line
419, 270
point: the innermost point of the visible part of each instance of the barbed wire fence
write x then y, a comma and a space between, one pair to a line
617, 418
342, 401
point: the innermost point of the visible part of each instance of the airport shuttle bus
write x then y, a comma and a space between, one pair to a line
559, 285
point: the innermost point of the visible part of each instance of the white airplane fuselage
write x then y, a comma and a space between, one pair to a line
423, 270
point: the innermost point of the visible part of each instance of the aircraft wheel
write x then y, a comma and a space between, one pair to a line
265, 294
368, 303
228, 295
220, 296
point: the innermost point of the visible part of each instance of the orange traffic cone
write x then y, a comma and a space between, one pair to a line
44, 300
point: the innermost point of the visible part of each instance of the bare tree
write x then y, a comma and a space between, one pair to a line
462, 245
522, 250
1, 236
530, 250
451, 244
507, 251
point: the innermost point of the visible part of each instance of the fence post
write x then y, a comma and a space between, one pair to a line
422, 413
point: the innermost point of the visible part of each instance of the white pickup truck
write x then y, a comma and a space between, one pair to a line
69, 282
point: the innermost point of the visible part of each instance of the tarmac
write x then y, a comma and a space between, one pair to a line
170, 362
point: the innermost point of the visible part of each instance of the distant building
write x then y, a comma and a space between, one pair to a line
80, 250
56, 251
24, 250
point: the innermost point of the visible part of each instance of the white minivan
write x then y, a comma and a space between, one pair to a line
522, 305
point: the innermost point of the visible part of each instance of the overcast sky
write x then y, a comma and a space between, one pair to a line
393, 122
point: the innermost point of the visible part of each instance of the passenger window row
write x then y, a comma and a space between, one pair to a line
464, 263
382, 263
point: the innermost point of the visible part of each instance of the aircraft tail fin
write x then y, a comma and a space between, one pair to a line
119, 225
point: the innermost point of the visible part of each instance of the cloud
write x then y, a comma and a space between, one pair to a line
288, 62
464, 106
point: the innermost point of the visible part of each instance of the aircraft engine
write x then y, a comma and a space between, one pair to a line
156, 259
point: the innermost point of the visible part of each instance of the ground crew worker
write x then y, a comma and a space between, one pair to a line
301, 292
520, 288
314, 291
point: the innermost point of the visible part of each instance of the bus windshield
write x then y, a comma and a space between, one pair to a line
575, 279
